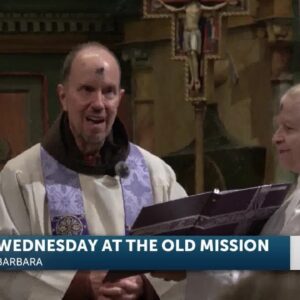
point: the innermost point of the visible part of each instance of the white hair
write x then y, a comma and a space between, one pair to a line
293, 93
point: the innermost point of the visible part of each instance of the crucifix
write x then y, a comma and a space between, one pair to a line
197, 34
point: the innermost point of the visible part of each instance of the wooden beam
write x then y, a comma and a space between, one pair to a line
41, 43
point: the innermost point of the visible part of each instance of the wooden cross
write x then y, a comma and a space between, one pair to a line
197, 38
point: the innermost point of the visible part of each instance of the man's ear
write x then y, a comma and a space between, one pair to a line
62, 96
122, 94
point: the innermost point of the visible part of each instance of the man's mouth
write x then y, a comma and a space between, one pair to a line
95, 119
282, 151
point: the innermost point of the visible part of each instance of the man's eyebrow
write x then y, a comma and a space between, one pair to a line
280, 106
100, 71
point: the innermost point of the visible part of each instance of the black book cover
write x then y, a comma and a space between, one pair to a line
231, 212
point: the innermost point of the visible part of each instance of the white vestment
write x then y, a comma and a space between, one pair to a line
23, 211
286, 220
208, 285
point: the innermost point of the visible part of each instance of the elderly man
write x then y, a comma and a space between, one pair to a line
84, 178
285, 221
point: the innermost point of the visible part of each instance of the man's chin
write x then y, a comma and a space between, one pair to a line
288, 166
95, 140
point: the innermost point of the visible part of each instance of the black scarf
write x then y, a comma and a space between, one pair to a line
60, 143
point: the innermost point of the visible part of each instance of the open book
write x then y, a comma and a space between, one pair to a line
231, 212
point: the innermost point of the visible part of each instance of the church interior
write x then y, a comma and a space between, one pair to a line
227, 129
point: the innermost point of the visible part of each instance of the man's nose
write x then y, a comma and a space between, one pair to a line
98, 101
278, 137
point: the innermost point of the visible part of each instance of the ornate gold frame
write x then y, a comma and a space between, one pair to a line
245, 10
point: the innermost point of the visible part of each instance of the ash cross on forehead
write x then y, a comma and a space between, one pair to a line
100, 71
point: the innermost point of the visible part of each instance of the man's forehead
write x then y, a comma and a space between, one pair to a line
290, 103
95, 64
99, 58
100, 71
290, 109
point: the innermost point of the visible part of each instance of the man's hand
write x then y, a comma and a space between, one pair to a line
169, 275
129, 288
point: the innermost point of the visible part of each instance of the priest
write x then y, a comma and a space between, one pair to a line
83, 178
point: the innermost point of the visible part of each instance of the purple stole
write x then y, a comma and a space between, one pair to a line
64, 196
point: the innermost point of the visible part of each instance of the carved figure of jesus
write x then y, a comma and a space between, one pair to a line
192, 37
